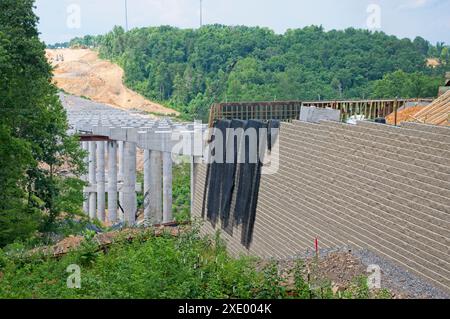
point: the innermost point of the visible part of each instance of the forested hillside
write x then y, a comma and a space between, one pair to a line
190, 69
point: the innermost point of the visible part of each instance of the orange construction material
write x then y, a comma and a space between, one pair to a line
404, 115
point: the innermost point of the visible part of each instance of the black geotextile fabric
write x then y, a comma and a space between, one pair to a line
229, 174
239, 180
272, 138
216, 172
249, 178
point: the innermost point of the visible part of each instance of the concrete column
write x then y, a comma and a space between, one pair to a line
120, 177
194, 166
156, 212
167, 187
147, 188
92, 179
85, 147
101, 204
129, 183
112, 181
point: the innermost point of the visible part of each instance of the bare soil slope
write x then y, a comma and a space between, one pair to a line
81, 72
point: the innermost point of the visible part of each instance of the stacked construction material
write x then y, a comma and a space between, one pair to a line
437, 113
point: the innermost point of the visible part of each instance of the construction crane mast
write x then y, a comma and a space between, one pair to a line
201, 13
126, 15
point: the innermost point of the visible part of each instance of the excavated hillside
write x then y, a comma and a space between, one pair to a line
81, 72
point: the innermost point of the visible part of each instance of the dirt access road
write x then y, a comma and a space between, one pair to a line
81, 72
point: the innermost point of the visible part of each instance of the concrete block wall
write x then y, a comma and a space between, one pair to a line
372, 186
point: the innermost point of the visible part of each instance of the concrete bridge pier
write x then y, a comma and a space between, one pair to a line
101, 210
119, 136
85, 147
112, 181
147, 188
194, 168
129, 183
167, 187
92, 179
120, 177
155, 205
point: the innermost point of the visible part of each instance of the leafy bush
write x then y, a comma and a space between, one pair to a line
271, 284
3, 260
182, 192
302, 289
190, 266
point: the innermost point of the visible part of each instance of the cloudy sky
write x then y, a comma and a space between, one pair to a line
64, 19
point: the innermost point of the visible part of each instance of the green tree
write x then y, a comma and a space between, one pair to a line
17, 220
406, 85
445, 56
33, 127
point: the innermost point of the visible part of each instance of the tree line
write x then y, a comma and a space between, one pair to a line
190, 69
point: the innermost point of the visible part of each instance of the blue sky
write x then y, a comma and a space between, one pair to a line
403, 18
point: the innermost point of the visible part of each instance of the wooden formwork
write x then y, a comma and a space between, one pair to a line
286, 111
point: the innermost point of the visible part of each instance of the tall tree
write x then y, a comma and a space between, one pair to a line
33, 123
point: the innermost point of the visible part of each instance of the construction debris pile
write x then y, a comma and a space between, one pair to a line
104, 240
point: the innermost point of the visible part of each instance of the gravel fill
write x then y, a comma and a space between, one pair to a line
399, 280
402, 283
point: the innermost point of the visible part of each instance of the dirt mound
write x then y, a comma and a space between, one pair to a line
339, 268
106, 239
81, 72
433, 62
